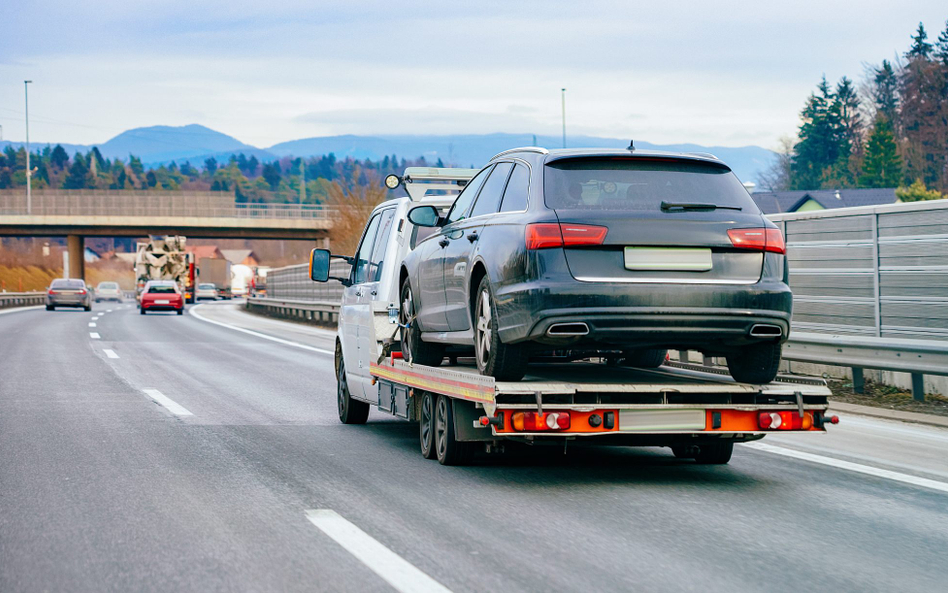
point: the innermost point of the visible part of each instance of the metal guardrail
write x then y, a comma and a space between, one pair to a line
21, 299
293, 282
118, 203
870, 288
326, 312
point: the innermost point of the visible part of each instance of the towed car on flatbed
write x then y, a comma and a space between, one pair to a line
696, 411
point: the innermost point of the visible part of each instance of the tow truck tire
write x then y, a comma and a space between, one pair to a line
715, 453
683, 452
504, 362
413, 348
756, 364
645, 359
426, 425
449, 450
350, 411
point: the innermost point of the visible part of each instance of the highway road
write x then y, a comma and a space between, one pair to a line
203, 453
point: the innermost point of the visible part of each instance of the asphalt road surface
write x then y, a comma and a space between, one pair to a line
167, 453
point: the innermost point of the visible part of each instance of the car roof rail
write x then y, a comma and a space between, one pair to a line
536, 149
420, 182
704, 154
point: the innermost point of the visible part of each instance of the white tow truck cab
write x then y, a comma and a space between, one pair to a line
696, 411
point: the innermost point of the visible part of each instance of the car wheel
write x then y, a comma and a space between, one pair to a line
645, 359
88, 307
755, 364
715, 453
504, 362
50, 308
450, 451
141, 310
426, 426
180, 311
350, 411
414, 350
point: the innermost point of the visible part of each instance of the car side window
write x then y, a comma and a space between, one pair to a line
376, 262
515, 196
463, 202
361, 266
488, 200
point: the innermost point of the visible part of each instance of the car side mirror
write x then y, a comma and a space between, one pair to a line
424, 216
319, 265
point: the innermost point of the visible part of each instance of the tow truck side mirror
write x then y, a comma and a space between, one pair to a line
424, 216
319, 265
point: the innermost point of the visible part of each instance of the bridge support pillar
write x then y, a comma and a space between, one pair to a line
75, 245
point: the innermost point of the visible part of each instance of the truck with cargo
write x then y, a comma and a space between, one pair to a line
216, 271
699, 412
165, 258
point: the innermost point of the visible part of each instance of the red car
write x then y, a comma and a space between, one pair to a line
161, 295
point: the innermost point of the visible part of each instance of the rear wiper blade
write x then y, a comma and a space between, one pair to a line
666, 206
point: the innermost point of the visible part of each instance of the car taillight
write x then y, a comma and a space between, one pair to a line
52, 291
762, 239
785, 421
82, 291
537, 421
544, 235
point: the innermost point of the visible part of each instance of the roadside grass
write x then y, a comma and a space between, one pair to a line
880, 395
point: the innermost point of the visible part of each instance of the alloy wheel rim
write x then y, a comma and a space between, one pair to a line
484, 329
407, 311
426, 423
441, 426
341, 391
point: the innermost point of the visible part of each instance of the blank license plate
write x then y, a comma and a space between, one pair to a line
162, 302
658, 420
680, 259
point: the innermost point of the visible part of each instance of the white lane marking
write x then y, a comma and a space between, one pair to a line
258, 334
94, 335
902, 428
853, 467
394, 569
91, 324
18, 309
172, 406
94, 318
108, 310
110, 353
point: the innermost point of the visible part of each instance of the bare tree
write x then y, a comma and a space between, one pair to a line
776, 177
352, 202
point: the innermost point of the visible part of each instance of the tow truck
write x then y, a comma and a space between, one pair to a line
698, 411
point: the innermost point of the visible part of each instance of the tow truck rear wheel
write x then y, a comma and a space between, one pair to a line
414, 349
350, 411
715, 453
426, 426
450, 451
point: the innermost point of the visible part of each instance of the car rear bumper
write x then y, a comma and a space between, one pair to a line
150, 307
66, 301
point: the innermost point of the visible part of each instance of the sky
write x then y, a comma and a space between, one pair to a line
712, 73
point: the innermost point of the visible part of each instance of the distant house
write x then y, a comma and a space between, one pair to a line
241, 256
822, 199
201, 251
90, 255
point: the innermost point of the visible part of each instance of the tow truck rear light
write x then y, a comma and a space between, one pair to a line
545, 235
785, 420
536, 421
763, 239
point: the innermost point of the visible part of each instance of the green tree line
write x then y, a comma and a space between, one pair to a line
892, 131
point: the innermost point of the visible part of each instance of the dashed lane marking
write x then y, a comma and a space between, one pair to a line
110, 353
395, 570
853, 467
91, 324
94, 335
171, 405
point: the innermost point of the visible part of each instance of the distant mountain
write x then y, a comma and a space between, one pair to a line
157, 145
477, 149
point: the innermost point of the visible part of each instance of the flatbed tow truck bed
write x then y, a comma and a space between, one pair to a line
674, 404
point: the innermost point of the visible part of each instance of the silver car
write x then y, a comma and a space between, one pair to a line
206, 291
108, 291
68, 293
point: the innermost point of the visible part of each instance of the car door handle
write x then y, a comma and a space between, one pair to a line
472, 237
443, 242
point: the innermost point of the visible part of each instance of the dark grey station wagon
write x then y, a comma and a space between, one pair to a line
624, 253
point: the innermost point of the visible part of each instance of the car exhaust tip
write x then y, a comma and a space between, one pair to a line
567, 329
765, 330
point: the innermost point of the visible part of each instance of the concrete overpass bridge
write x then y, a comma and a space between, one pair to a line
77, 214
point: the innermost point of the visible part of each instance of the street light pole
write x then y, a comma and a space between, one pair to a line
564, 116
29, 172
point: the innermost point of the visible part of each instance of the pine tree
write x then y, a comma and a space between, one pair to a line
882, 165
941, 48
59, 158
79, 177
252, 165
135, 165
885, 91
210, 165
920, 46
845, 110
818, 148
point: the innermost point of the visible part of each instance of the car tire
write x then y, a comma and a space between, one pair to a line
414, 350
180, 311
645, 359
88, 307
350, 411
141, 310
50, 308
449, 450
504, 362
715, 453
426, 425
756, 364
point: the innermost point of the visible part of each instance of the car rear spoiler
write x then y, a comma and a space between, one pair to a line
435, 182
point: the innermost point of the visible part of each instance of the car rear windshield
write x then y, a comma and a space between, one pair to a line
108, 285
68, 284
161, 289
640, 184
206, 286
